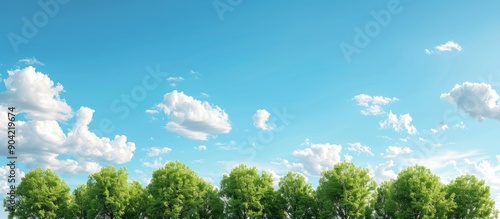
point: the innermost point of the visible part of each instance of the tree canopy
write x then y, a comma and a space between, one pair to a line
176, 191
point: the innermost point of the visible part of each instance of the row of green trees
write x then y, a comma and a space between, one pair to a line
176, 191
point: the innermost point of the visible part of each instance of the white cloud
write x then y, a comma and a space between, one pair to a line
398, 124
205, 95
30, 61
347, 157
198, 161
151, 111
382, 172
192, 118
35, 94
478, 100
443, 126
318, 157
358, 147
201, 148
227, 146
154, 151
446, 47
88, 144
275, 176
373, 104
260, 119
288, 165
460, 125
157, 163
404, 139
394, 151
434, 131
440, 159
176, 79
42, 141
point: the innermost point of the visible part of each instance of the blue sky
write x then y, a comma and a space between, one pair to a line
281, 86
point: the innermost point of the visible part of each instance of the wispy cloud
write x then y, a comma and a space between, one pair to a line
373, 104
30, 61
446, 47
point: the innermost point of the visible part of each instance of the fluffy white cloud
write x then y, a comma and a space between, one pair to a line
275, 176
154, 151
478, 100
192, 118
88, 144
260, 119
373, 104
394, 151
347, 157
30, 61
35, 94
358, 147
42, 141
382, 172
201, 148
398, 124
446, 47
318, 157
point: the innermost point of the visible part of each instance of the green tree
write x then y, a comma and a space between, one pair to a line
271, 207
384, 206
345, 192
243, 191
41, 194
212, 206
80, 202
108, 193
136, 207
296, 196
472, 197
417, 193
174, 192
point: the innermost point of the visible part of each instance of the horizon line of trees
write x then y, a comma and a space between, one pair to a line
175, 191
